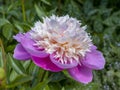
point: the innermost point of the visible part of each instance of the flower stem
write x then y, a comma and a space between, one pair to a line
23, 10
4, 61
59, 5
3, 54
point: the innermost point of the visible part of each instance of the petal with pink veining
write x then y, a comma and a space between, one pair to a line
94, 60
46, 64
81, 74
20, 53
28, 44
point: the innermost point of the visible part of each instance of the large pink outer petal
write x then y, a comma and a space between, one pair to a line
28, 45
94, 60
62, 65
20, 53
46, 64
81, 74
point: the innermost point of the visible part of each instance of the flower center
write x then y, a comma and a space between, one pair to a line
62, 36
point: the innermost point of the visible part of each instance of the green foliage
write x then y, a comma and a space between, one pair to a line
103, 21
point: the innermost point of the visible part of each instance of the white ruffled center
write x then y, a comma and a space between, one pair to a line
64, 36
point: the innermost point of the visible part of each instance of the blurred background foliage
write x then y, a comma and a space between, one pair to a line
103, 20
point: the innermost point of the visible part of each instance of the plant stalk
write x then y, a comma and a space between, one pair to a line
23, 10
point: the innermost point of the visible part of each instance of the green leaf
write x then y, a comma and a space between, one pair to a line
7, 31
117, 74
16, 65
35, 73
115, 49
41, 85
27, 64
46, 2
20, 79
3, 22
73, 85
39, 11
55, 86
12, 75
10, 48
88, 6
98, 27
56, 77
18, 26
114, 19
47, 88
25, 88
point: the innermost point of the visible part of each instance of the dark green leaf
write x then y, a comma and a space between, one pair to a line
56, 77
41, 85
46, 2
39, 11
21, 79
3, 22
16, 65
7, 31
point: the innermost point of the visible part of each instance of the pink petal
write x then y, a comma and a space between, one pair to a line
46, 64
20, 53
18, 37
81, 74
63, 65
28, 45
93, 47
94, 60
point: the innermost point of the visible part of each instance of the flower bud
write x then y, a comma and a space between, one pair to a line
2, 74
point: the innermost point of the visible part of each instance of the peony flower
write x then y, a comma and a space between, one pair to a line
60, 43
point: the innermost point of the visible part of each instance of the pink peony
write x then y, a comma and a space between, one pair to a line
60, 43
